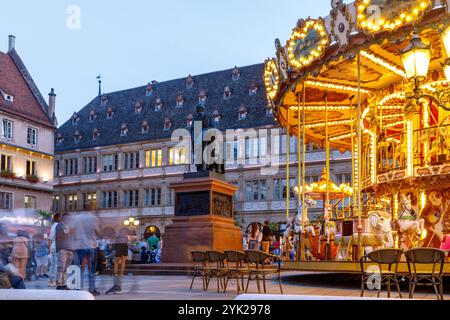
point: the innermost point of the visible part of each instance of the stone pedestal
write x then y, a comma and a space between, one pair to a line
204, 218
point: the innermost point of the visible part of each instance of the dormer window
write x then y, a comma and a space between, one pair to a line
167, 124
8, 97
253, 90
269, 111
180, 101
109, 113
236, 74
92, 116
138, 107
75, 119
158, 104
189, 121
124, 130
95, 134
59, 138
149, 90
189, 82
243, 113
202, 97
104, 100
216, 117
227, 93
77, 136
145, 127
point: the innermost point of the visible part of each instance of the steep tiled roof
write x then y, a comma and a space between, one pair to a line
16, 81
124, 104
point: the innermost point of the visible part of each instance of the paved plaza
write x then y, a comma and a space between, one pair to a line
177, 287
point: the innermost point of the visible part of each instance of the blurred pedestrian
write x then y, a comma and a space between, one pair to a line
86, 231
41, 253
267, 237
120, 247
153, 241
52, 246
20, 253
64, 250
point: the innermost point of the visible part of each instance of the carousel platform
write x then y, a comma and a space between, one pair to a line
350, 267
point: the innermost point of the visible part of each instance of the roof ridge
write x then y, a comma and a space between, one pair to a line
30, 83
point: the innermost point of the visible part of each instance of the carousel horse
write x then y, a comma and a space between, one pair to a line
400, 151
408, 222
295, 223
380, 227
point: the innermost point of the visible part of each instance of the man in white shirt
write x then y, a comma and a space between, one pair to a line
52, 245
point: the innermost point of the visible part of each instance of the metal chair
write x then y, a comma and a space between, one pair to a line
383, 275
236, 268
199, 259
259, 271
431, 263
215, 268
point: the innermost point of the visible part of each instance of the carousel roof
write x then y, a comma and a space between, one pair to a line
317, 72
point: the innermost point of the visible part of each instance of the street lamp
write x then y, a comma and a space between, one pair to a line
131, 223
416, 58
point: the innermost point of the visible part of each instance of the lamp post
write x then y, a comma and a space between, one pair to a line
131, 223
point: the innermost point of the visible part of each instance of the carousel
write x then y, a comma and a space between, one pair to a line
371, 79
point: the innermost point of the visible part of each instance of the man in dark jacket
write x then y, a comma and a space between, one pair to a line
267, 237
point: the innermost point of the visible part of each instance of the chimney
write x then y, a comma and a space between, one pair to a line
51, 103
11, 43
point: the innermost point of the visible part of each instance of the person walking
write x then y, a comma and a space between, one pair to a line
267, 237
41, 253
64, 251
120, 247
86, 230
254, 237
52, 248
20, 253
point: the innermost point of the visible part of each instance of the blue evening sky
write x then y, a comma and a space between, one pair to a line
133, 42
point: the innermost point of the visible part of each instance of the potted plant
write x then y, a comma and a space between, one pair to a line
7, 174
33, 178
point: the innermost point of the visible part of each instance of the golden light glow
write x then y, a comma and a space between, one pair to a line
300, 34
394, 124
416, 63
385, 64
372, 25
337, 87
373, 157
330, 123
423, 200
272, 79
322, 108
410, 148
342, 137
397, 95
446, 40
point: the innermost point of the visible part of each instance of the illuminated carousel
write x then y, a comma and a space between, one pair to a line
372, 79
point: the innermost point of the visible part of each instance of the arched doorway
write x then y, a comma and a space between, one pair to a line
152, 229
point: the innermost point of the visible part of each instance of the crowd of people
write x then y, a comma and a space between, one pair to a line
264, 239
73, 240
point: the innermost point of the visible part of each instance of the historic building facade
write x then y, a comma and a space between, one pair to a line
28, 125
116, 158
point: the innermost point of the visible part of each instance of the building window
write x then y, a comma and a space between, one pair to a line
167, 124
180, 102
311, 147
269, 112
92, 116
130, 199
292, 144
138, 107
30, 202
255, 148
70, 202
131, 160
71, 167
145, 127
149, 90
232, 151
123, 131
177, 156
7, 130
32, 136
253, 91
31, 168
110, 199
153, 158
90, 201
169, 193
6, 201
236, 74
227, 93
312, 179
110, 162
77, 137
280, 189
90, 164
95, 134
158, 104
190, 82
343, 178
5, 163
255, 190
75, 120
55, 204
59, 139
153, 197
109, 113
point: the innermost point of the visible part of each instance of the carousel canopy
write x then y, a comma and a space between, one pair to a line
319, 190
357, 55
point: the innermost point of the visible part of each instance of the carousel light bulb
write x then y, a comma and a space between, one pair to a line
416, 58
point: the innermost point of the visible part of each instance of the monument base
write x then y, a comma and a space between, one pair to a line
204, 218
204, 233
